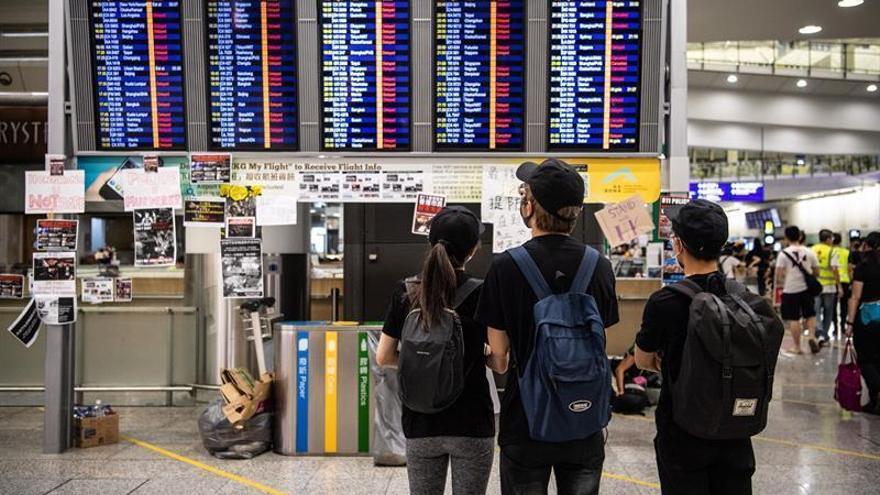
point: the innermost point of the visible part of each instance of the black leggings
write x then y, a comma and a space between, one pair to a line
867, 343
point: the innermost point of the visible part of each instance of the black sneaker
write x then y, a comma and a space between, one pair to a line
814, 346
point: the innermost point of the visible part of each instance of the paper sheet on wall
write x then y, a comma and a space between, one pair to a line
56, 310
460, 183
45, 193
159, 189
622, 222
26, 328
273, 177
55, 274
276, 210
500, 207
97, 290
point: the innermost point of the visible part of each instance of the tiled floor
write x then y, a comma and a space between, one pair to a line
810, 446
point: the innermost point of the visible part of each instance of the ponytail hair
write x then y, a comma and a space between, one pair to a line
873, 242
438, 284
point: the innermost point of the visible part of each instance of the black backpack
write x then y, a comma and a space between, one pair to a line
814, 287
431, 362
725, 384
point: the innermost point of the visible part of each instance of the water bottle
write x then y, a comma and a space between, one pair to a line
99, 410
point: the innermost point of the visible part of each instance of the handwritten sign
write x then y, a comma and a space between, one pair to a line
46, 193
500, 207
145, 190
624, 221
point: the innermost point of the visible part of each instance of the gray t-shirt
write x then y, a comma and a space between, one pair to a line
794, 279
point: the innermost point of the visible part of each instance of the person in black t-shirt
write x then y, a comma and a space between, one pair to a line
552, 200
688, 464
866, 291
463, 433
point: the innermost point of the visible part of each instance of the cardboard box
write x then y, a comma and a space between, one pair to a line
94, 432
244, 396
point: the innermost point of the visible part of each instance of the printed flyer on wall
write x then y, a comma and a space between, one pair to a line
242, 263
155, 242
159, 189
241, 227
361, 185
26, 328
427, 207
500, 207
46, 193
56, 235
276, 210
11, 286
123, 289
55, 310
55, 274
97, 290
210, 168
204, 212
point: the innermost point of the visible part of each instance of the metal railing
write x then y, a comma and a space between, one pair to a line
780, 167
822, 59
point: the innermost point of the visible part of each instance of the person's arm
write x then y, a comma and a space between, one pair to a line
857, 287
387, 354
647, 361
620, 372
499, 350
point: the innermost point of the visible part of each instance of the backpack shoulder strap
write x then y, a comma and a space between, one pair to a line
411, 284
465, 291
531, 272
687, 288
585, 272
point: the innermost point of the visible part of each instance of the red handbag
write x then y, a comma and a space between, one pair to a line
848, 385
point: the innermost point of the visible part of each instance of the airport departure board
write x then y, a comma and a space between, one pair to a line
138, 68
595, 49
365, 75
479, 75
252, 74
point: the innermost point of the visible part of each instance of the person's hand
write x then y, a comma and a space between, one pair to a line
849, 330
619, 392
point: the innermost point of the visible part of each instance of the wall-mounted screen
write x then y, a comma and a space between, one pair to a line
758, 219
252, 84
594, 79
138, 69
479, 70
365, 75
728, 191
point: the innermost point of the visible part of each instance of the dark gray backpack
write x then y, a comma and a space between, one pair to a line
724, 387
431, 362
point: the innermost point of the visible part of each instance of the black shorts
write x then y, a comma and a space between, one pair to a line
797, 306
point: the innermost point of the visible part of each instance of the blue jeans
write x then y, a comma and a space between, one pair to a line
826, 315
526, 467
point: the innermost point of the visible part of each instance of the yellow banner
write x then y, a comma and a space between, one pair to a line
331, 383
611, 180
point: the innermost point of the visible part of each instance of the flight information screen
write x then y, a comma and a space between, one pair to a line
365, 75
252, 74
479, 75
595, 49
138, 64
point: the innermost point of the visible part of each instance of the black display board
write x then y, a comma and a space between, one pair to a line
137, 56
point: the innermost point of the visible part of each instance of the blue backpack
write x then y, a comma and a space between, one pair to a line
566, 384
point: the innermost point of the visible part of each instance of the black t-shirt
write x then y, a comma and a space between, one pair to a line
472, 415
664, 328
868, 273
507, 304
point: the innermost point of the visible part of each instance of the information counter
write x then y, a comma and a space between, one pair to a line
632, 294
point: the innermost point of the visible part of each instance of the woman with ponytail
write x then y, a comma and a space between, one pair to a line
463, 433
864, 318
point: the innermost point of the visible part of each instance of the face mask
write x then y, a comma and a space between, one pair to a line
677, 250
525, 218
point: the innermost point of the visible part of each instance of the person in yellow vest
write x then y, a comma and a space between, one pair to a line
829, 277
845, 269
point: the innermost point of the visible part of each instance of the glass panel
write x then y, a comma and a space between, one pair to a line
793, 55
863, 59
722, 52
826, 56
757, 53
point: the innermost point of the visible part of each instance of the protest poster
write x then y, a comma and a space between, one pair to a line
26, 328
97, 290
427, 207
624, 221
122, 292
242, 268
46, 193
144, 190
55, 274
55, 310
55, 164
276, 210
500, 206
155, 242
204, 212
11, 286
210, 168
240, 227
56, 235
667, 201
152, 163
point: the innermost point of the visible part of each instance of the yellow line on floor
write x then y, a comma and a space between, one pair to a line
789, 443
628, 479
192, 462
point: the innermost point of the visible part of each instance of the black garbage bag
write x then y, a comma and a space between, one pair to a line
225, 441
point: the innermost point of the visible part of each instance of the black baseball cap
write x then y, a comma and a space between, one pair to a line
459, 228
554, 184
701, 225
